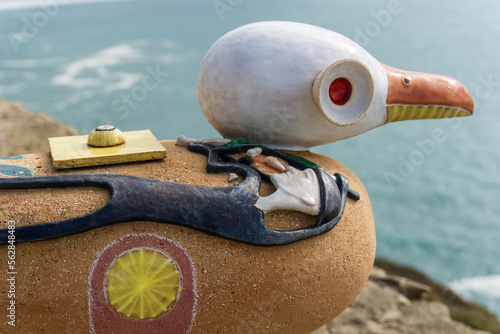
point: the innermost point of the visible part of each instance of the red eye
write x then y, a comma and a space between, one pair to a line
340, 91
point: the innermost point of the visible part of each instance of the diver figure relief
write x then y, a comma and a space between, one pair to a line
232, 212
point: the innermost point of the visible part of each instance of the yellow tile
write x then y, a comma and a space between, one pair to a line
73, 151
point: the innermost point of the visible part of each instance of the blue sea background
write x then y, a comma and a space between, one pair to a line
75, 59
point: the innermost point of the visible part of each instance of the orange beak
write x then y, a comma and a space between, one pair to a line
414, 95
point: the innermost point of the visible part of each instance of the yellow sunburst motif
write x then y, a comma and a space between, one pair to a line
142, 283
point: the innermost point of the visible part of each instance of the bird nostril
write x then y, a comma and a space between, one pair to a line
340, 91
406, 81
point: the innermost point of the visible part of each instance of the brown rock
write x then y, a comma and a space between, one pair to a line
23, 131
409, 288
384, 309
229, 287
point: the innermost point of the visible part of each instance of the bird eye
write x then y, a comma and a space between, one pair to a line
340, 91
344, 92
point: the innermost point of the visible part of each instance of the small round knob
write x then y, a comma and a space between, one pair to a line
105, 136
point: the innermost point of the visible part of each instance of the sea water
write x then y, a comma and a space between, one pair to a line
433, 184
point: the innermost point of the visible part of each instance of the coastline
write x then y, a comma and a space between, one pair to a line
396, 299
24, 131
401, 299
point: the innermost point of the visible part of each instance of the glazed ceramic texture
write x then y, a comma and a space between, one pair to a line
142, 283
293, 86
105, 136
256, 82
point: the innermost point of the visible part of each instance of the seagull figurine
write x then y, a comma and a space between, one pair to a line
293, 86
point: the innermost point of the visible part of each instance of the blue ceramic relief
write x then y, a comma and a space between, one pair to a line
13, 170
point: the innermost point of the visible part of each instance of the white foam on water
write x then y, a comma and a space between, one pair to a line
95, 70
77, 97
488, 286
14, 5
30, 63
99, 70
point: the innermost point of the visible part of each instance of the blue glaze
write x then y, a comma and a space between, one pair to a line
14, 157
13, 170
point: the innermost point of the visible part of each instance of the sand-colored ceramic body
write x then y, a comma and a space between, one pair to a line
227, 287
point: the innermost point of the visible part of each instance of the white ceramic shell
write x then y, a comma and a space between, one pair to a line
256, 82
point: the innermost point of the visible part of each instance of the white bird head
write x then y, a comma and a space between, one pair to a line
293, 86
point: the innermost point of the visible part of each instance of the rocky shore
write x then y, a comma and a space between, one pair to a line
23, 131
396, 299
391, 303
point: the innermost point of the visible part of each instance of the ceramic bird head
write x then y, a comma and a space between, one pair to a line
293, 86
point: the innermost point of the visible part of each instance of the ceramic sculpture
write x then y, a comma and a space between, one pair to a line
105, 136
309, 190
194, 279
221, 235
293, 86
